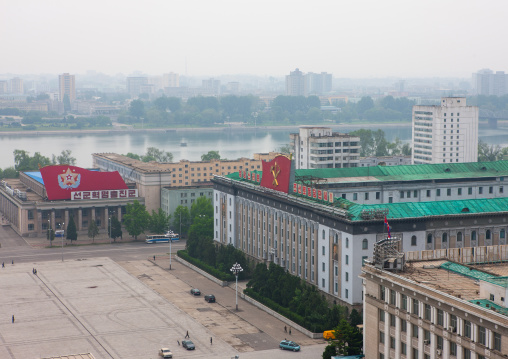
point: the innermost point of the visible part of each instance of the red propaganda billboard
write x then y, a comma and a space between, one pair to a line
276, 174
60, 181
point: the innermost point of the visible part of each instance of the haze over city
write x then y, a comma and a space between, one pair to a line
349, 39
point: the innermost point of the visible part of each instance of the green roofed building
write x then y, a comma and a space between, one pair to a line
325, 242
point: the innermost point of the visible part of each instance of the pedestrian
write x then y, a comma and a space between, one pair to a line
3, 265
178, 342
285, 329
154, 258
12, 261
210, 340
33, 270
36, 271
187, 335
289, 330
13, 318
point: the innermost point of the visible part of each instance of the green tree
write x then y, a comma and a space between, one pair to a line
211, 155
137, 109
50, 235
154, 154
24, 162
72, 233
348, 339
93, 230
115, 228
159, 222
181, 220
136, 219
202, 207
65, 158
285, 149
330, 351
355, 318
9, 172
365, 104
133, 156
488, 153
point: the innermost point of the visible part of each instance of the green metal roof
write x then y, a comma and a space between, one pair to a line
413, 172
475, 274
437, 208
487, 304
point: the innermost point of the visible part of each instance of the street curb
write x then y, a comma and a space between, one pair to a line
202, 272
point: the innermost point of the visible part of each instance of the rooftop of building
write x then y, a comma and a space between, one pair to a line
156, 167
454, 279
405, 210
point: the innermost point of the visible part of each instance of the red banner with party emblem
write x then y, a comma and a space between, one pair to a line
276, 174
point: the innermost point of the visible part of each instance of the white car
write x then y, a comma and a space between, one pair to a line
165, 353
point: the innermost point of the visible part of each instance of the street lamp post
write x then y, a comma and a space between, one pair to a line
236, 269
109, 221
170, 235
63, 226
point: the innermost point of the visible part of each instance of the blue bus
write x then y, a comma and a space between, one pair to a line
163, 238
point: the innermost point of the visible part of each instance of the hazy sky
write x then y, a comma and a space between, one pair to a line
354, 38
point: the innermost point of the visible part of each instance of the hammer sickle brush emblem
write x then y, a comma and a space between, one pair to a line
275, 169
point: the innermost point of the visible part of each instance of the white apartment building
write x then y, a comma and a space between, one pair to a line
445, 134
319, 147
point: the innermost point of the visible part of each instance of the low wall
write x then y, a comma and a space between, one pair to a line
282, 318
202, 272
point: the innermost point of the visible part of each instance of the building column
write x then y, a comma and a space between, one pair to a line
66, 219
38, 215
397, 335
106, 218
92, 214
80, 218
120, 215
52, 218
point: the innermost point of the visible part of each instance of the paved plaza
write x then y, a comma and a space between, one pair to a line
128, 310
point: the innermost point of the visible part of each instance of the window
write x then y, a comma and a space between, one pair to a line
438, 192
403, 326
444, 238
403, 348
427, 311
501, 190
497, 341
467, 354
439, 342
355, 196
440, 316
453, 348
473, 235
482, 335
470, 190
392, 320
426, 336
378, 194
453, 321
414, 329
415, 193
30, 214
392, 296
491, 189
467, 329
449, 192
403, 300
382, 292
390, 199
401, 194
416, 310
381, 315
488, 234
413, 241
381, 337
392, 342
365, 243
429, 238
30, 226
347, 257
480, 190
366, 196
428, 193
323, 249
323, 265
347, 242
347, 277
459, 237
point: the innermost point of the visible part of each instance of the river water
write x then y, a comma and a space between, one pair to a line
231, 143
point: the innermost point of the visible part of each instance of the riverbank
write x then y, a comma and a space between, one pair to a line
186, 129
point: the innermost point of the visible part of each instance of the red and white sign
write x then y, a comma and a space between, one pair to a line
118, 193
314, 193
257, 178
60, 181
295, 188
325, 195
330, 197
304, 190
320, 194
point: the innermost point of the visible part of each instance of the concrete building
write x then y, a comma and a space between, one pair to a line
488, 83
149, 178
134, 85
319, 147
171, 80
323, 238
172, 197
445, 134
25, 205
16, 86
67, 86
437, 308
211, 86
295, 84
384, 161
317, 84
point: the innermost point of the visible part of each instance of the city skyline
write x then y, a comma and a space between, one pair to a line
355, 40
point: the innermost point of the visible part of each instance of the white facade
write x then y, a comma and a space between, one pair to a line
319, 147
445, 134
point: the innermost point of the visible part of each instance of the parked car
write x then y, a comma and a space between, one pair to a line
165, 353
188, 344
195, 291
210, 298
289, 345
